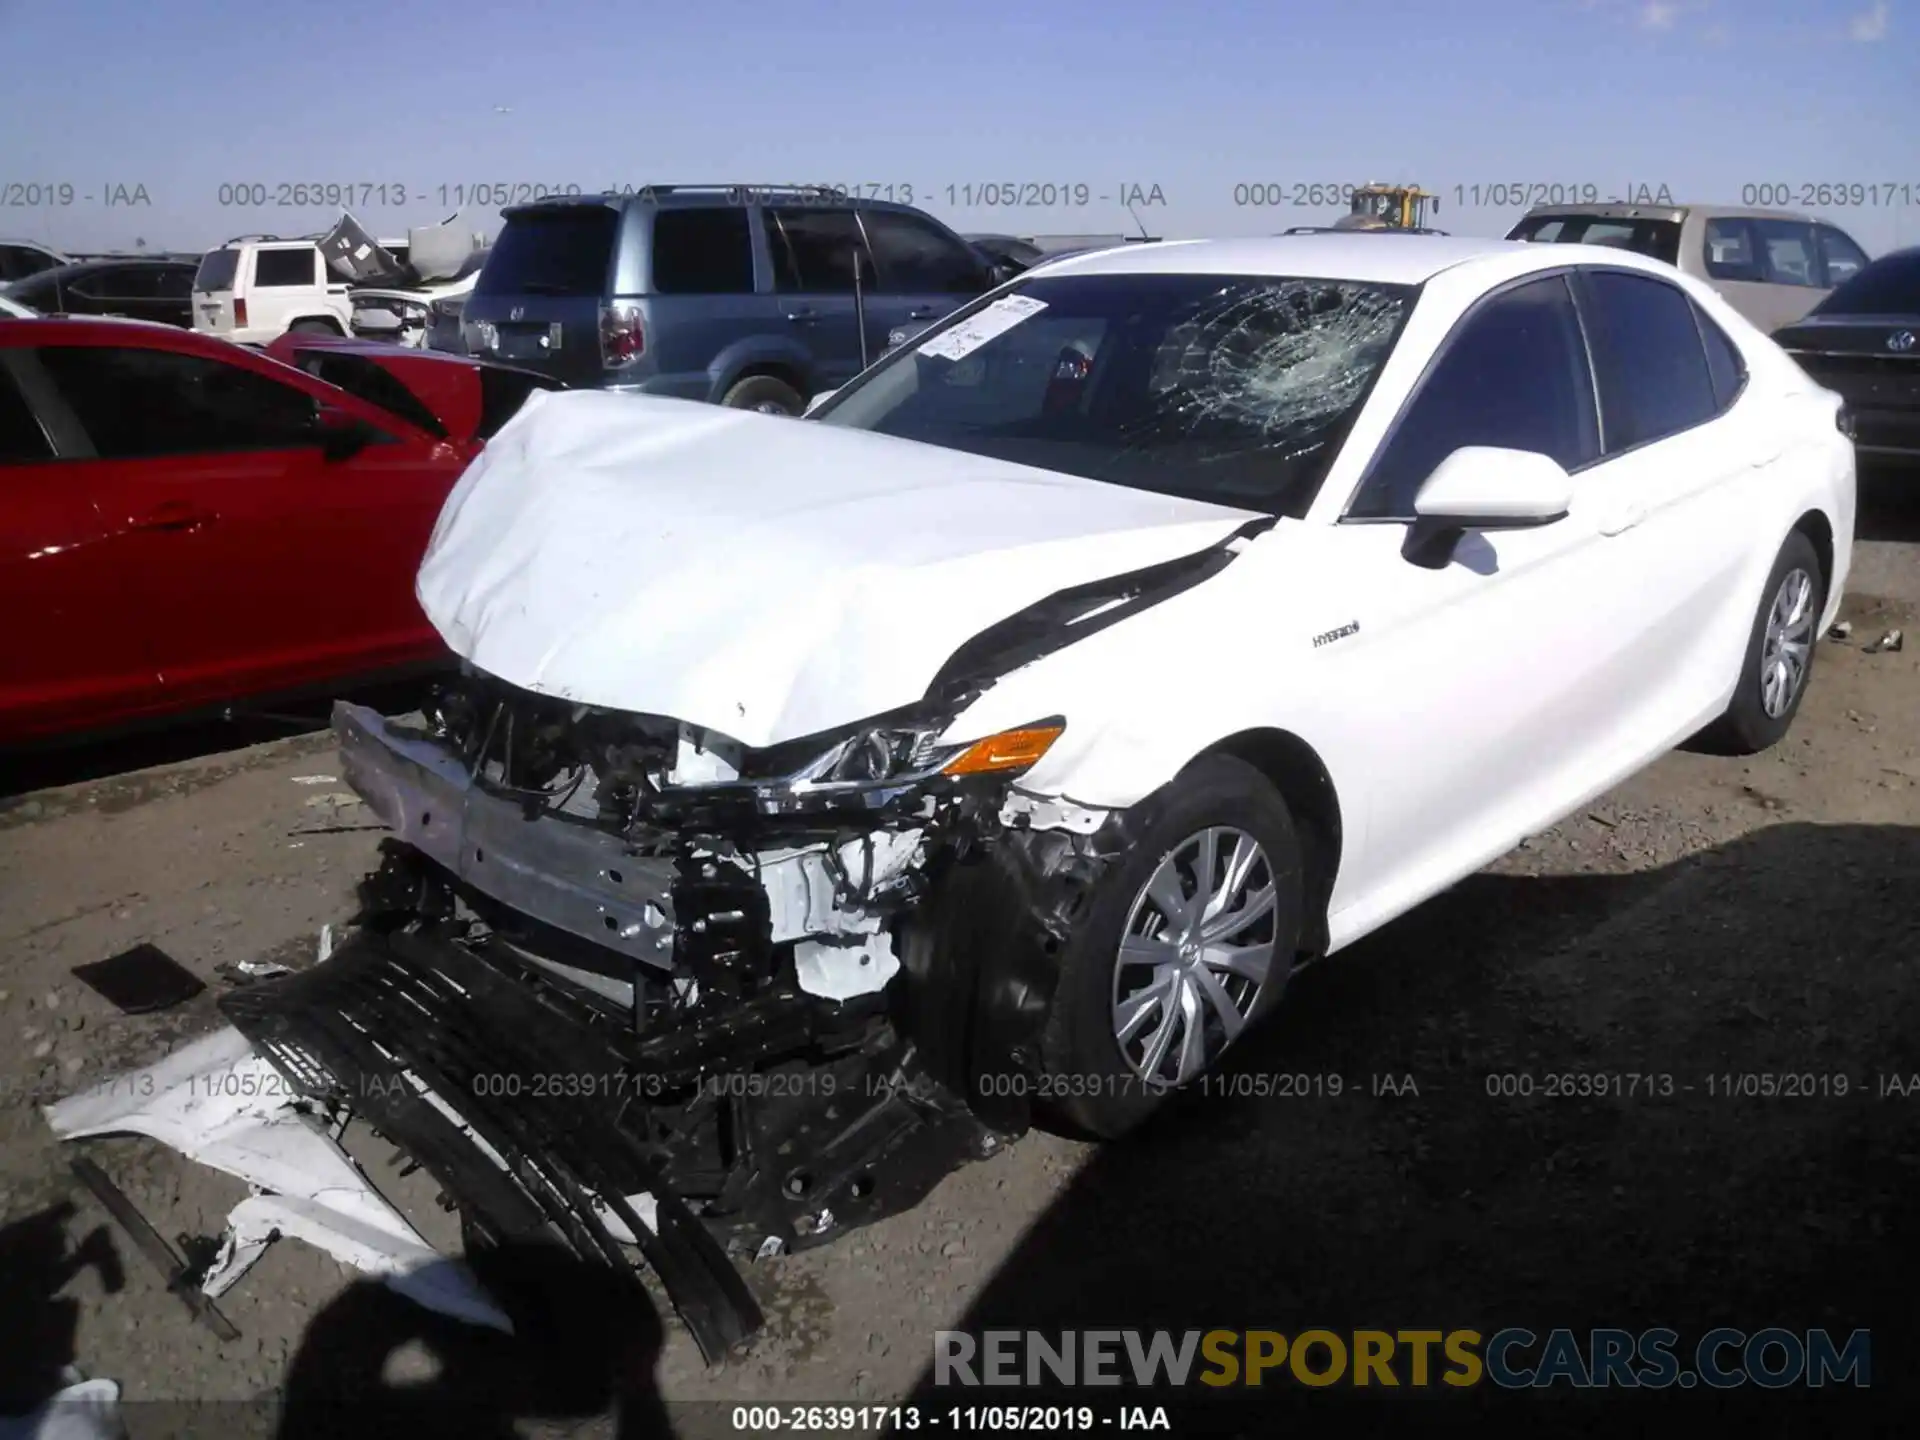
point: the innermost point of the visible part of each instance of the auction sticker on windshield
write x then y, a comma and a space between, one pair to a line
996, 319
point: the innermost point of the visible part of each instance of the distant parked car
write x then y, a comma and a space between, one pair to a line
1773, 266
133, 288
189, 524
254, 290
402, 312
21, 258
1863, 341
740, 295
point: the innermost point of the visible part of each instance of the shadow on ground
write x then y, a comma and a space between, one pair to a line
1686, 1200
38, 1324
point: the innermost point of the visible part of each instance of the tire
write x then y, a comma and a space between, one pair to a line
765, 394
1091, 1081
311, 327
1755, 718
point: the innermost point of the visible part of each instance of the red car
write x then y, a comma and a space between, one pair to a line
188, 523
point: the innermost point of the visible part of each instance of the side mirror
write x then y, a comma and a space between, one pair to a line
820, 399
1484, 487
343, 436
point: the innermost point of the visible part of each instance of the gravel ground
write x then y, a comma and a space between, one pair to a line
1709, 918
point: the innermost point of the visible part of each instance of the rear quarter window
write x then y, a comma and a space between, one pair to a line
564, 252
285, 269
217, 270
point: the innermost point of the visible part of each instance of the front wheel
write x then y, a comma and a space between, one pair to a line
1779, 658
1187, 941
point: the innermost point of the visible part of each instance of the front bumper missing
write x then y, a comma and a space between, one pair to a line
545, 1119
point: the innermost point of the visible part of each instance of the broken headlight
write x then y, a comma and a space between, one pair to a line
895, 755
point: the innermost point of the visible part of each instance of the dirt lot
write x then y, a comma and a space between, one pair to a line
1711, 918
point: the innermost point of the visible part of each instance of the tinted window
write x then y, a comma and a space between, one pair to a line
553, 252
22, 442
1843, 258
913, 258
284, 267
1513, 374
1787, 249
704, 251
1888, 286
1233, 389
813, 249
1730, 251
1659, 239
372, 382
136, 403
502, 393
1649, 359
174, 282
1724, 361
122, 282
217, 270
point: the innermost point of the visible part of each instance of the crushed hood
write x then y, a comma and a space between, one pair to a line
761, 577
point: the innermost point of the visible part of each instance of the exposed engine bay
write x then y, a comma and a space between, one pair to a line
623, 983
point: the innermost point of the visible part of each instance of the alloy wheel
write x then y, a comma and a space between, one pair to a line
1787, 644
1195, 955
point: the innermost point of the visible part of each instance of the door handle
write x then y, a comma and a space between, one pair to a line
802, 317
175, 515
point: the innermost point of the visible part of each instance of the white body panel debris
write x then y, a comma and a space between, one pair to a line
219, 1103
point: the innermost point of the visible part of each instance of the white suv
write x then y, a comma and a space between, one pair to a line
254, 290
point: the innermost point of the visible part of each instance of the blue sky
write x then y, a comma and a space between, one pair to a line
1704, 97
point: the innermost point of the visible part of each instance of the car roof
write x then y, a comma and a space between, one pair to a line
671, 197
1675, 213
1345, 255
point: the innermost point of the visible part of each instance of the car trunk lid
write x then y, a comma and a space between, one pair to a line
540, 297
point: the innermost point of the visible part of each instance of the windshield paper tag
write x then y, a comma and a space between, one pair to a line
998, 318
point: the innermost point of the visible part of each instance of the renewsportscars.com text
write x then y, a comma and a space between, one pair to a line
1513, 1358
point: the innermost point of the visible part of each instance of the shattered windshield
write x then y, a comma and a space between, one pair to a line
1232, 389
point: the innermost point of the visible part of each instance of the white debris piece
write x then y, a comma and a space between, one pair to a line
316, 779
89, 1410
219, 1103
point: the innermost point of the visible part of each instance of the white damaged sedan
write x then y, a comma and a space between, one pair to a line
1321, 570
999, 738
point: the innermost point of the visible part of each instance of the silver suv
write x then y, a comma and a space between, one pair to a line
1773, 266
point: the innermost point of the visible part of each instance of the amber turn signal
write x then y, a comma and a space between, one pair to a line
1009, 750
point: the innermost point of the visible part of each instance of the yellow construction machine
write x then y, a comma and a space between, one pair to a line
1388, 207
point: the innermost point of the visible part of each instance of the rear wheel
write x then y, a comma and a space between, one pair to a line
1780, 651
1187, 941
765, 394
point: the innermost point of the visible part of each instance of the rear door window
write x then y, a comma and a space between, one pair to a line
1730, 252
1649, 359
138, 404
704, 250
217, 270
372, 382
1513, 374
911, 257
285, 269
813, 249
1787, 252
175, 282
567, 251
